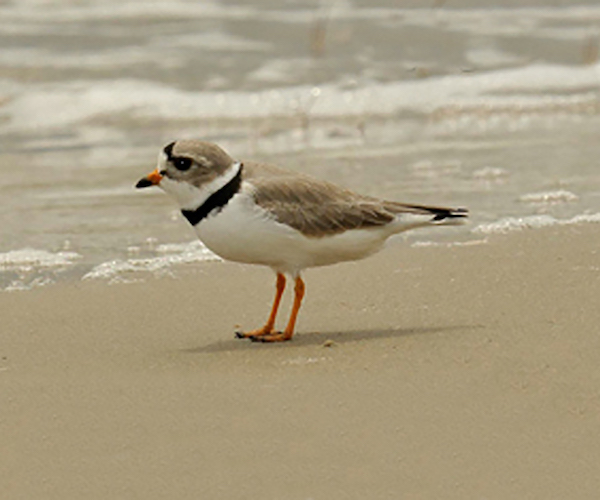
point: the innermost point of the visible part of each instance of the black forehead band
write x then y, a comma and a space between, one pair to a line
169, 151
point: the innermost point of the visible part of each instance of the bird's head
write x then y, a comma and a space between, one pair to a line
190, 171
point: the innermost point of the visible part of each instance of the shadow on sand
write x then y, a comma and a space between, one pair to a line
318, 338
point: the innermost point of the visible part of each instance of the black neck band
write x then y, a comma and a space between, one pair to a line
217, 200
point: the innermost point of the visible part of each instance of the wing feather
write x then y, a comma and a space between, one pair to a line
318, 208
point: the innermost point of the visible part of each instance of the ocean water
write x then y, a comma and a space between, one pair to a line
493, 105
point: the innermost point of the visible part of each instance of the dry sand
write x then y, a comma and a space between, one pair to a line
456, 372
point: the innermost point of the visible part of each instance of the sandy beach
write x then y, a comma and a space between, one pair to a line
463, 364
455, 372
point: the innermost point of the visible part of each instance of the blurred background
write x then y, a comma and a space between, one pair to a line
490, 104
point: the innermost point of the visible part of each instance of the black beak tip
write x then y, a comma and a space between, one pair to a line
143, 183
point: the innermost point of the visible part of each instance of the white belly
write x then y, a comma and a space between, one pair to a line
244, 232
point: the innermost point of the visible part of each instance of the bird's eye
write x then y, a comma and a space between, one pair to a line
182, 163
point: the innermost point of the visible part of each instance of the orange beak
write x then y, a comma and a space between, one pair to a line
152, 179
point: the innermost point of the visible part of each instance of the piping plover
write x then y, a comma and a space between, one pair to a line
261, 214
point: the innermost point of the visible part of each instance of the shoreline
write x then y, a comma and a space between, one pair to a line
455, 372
26, 269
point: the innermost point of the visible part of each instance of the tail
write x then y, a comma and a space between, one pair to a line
439, 215
449, 215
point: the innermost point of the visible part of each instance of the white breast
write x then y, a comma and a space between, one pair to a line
244, 232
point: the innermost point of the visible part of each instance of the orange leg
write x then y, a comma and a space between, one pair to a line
270, 324
289, 329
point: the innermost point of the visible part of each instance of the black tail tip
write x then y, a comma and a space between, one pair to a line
458, 213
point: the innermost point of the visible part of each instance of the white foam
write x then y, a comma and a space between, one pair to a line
29, 259
29, 268
506, 21
549, 197
33, 57
584, 218
280, 70
429, 243
171, 255
478, 21
431, 169
490, 56
46, 11
490, 173
510, 224
23, 285
527, 89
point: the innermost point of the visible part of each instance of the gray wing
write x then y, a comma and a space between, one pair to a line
318, 208
313, 207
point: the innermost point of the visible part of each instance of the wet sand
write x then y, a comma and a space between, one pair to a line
455, 372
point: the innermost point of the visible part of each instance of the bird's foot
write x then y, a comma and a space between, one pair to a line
272, 337
265, 330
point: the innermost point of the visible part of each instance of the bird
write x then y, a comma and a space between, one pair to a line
258, 213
